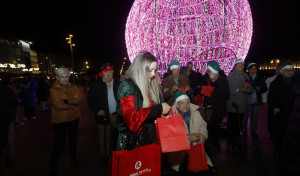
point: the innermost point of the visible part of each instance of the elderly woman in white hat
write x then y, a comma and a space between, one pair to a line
239, 83
194, 124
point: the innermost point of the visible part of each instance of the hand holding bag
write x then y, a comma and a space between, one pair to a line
171, 133
196, 158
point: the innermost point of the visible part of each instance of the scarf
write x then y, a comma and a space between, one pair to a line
186, 117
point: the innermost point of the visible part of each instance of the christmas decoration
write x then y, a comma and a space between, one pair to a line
190, 30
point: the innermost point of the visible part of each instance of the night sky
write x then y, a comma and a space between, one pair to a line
99, 27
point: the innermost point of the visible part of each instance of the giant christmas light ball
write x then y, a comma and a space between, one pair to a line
190, 30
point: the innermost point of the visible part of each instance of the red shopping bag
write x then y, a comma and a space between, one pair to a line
113, 162
172, 134
157, 134
196, 158
198, 99
144, 160
207, 90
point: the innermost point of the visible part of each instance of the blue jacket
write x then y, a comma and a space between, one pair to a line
29, 94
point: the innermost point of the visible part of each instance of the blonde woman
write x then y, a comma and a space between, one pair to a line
139, 102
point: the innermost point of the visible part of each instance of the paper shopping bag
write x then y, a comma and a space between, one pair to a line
196, 158
142, 161
172, 134
207, 90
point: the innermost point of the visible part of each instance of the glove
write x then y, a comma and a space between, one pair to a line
66, 101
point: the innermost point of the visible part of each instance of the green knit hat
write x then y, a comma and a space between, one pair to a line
213, 66
285, 65
174, 64
179, 95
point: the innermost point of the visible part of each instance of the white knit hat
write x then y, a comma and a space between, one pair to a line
238, 61
285, 65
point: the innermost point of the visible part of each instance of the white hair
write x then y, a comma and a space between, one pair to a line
60, 71
138, 71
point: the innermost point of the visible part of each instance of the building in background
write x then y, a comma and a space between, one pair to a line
17, 57
34, 62
12, 59
269, 65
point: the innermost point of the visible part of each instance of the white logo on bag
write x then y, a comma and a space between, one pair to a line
138, 165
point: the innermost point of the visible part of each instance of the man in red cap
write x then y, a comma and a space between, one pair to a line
102, 100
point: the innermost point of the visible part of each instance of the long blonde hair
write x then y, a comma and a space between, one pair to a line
138, 71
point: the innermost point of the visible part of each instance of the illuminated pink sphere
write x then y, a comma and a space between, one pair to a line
190, 30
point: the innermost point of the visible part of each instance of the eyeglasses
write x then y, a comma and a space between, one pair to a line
183, 103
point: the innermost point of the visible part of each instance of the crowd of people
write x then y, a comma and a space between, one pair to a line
125, 110
17, 94
140, 99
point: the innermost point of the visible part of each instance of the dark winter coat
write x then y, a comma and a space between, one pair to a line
218, 98
280, 96
261, 82
8, 105
195, 79
29, 94
43, 91
290, 152
195, 82
97, 99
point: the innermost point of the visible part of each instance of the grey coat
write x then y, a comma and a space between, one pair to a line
237, 80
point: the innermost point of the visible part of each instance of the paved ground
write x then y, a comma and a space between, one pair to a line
34, 140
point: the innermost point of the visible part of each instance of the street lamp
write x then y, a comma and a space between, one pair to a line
69, 39
86, 65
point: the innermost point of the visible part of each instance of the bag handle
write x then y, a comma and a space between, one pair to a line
171, 112
135, 134
201, 140
134, 138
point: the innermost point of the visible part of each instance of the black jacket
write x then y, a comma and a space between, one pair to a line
195, 82
43, 90
261, 82
280, 96
218, 97
97, 99
290, 152
8, 105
